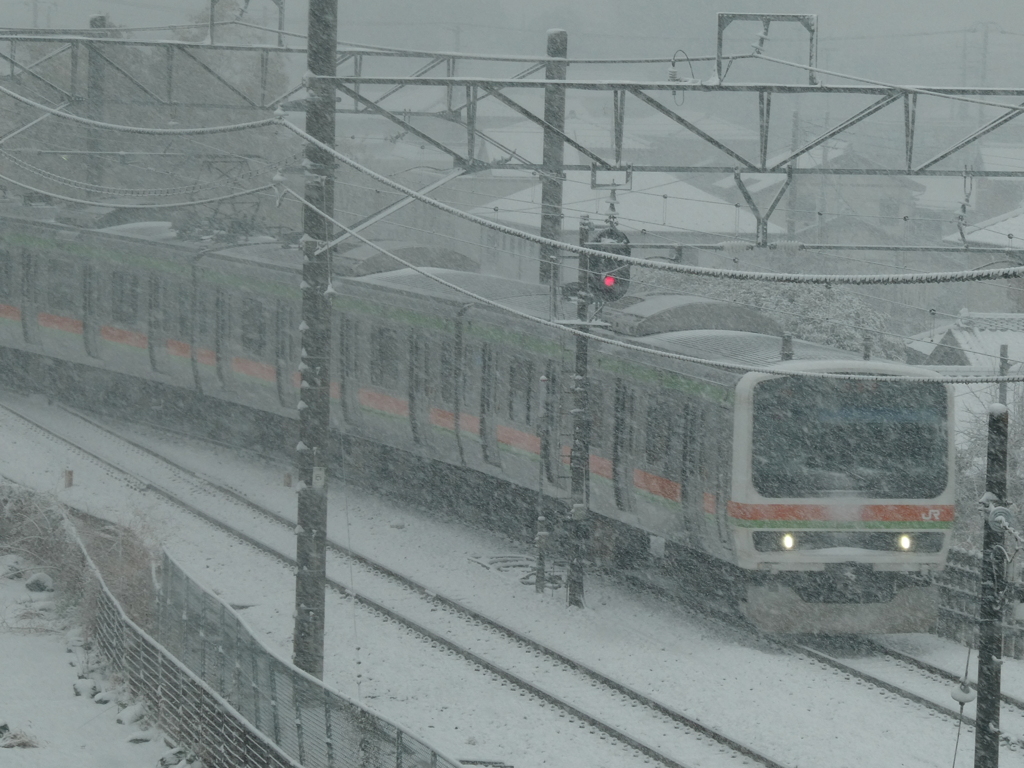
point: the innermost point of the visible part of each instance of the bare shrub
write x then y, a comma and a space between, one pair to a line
32, 526
35, 527
18, 740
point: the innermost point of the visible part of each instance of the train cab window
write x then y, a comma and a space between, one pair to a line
6, 274
254, 326
384, 357
449, 373
520, 391
658, 432
124, 297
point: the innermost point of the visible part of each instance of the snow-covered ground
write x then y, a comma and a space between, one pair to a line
780, 704
41, 661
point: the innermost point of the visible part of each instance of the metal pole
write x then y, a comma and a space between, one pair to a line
314, 368
579, 459
94, 105
1004, 368
554, 153
990, 635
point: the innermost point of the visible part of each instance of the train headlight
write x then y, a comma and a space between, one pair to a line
905, 542
788, 541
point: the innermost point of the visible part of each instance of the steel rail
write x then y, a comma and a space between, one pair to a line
698, 728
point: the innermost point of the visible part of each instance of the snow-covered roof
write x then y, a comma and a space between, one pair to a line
973, 340
1006, 230
941, 193
1002, 157
657, 202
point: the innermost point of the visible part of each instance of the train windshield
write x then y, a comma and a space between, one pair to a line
827, 437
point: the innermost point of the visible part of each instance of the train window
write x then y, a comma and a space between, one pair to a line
60, 290
658, 431
520, 390
6, 274
384, 357
254, 326
449, 373
346, 345
124, 296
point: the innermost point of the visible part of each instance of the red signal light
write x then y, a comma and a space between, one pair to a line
609, 281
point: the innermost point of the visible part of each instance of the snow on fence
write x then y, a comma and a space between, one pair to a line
959, 587
313, 725
216, 690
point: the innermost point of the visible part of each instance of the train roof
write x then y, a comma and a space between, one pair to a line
658, 313
741, 347
644, 316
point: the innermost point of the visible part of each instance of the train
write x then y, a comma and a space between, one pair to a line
826, 504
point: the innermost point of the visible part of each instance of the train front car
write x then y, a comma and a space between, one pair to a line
843, 498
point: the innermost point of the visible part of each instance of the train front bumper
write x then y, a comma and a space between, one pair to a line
778, 609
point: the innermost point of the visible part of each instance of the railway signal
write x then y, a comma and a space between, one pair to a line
608, 277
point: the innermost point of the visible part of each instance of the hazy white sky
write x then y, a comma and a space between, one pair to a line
855, 34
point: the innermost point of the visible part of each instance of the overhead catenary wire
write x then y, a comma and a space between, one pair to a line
146, 206
643, 349
771, 277
270, 121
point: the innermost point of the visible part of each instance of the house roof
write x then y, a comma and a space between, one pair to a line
1006, 230
973, 340
656, 202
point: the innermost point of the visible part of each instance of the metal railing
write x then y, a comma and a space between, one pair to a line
219, 692
311, 724
959, 598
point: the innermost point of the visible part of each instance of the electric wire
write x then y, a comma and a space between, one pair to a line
565, 329
890, 279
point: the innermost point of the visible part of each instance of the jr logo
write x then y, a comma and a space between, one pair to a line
931, 514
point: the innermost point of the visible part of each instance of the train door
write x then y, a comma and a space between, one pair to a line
714, 480
622, 446
156, 328
284, 354
222, 335
419, 376
488, 392
90, 307
550, 432
723, 475
348, 370
690, 430
29, 297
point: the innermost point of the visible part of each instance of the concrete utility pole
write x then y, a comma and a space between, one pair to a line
554, 153
993, 583
579, 459
94, 104
314, 368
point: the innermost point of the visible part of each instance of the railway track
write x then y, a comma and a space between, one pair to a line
596, 700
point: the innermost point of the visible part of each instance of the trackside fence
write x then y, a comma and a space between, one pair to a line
179, 701
217, 691
959, 598
311, 724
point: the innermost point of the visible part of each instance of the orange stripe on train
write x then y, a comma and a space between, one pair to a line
121, 336
59, 322
516, 438
378, 401
889, 513
9, 312
253, 368
657, 485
